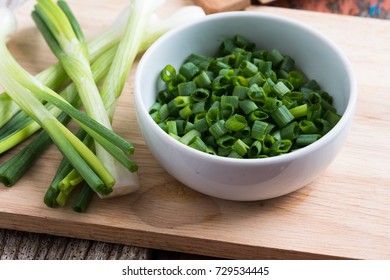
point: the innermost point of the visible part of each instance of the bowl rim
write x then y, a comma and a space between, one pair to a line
291, 156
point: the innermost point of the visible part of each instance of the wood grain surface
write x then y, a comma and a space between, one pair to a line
342, 214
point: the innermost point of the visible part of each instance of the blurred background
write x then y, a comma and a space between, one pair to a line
364, 8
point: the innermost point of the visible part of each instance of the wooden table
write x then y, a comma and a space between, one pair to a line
342, 214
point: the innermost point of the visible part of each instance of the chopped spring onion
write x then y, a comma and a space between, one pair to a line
244, 102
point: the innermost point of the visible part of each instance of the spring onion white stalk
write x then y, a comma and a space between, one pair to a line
141, 12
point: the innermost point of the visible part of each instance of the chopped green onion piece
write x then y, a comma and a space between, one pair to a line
255, 149
199, 108
299, 111
197, 143
280, 147
248, 69
218, 129
240, 147
236, 123
265, 67
234, 154
189, 136
213, 115
188, 70
163, 112
181, 101
267, 142
306, 139
296, 78
203, 80
186, 112
257, 79
287, 64
280, 89
186, 88
201, 61
272, 104
323, 126
182, 125
226, 141
290, 131
308, 127
258, 115
227, 100
332, 117
248, 106
275, 57
172, 128
259, 130
177, 80
155, 108
240, 92
201, 125
282, 116
314, 111
256, 93
168, 73
312, 85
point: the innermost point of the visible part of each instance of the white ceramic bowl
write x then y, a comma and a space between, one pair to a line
247, 179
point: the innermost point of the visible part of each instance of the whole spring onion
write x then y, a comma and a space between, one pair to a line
114, 83
105, 44
64, 36
244, 102
28, 93
126, 182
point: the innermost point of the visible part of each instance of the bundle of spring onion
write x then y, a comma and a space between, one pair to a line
242, 103
111, 172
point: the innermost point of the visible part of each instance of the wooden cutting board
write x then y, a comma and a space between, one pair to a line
342, 214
